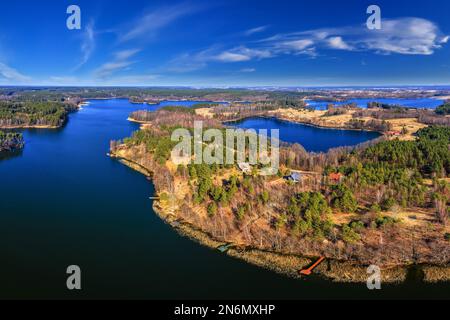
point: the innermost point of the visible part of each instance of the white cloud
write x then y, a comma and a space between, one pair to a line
252, 31
408, 36
126, 54
148, 25
232, 57
299, 45
194, 61
240, 54
338, 43
248, 70
12, 74
87, 45
411, 36
120, 62
188, 62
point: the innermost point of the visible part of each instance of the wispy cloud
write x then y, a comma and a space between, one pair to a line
87, 45
11, 74
338, 43
149, 24
248, 70
120, 62
252, 31
194, 61
240, 54
409, 36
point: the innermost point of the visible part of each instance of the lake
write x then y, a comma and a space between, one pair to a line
419, 103
64, 202
311, 138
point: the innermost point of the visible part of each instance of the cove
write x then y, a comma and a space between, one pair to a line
64, 202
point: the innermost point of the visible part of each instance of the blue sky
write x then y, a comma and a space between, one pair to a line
224, 43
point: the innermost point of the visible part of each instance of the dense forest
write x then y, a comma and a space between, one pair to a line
376, 181
10, 141
428, 117
391, 170
443, 110
150, 94
28, 114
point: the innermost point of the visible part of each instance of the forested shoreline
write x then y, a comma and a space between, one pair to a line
359, 204
15, 114
10, 141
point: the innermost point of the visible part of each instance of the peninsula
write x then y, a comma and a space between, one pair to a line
384, 202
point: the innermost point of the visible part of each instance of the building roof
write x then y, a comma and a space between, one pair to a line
335, 176
245, 167
296, 176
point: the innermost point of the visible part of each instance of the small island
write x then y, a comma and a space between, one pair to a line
11, 141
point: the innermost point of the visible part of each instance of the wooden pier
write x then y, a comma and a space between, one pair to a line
307, 272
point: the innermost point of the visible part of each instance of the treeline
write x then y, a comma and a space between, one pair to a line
391, 172
10, 141
384, 172
424, 116
236, 111
388, 114
173, 116
372, 105
22, 114
443, 110
373, 124
378, 175
156, 141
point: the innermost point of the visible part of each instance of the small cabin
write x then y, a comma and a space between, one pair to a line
294, 177
245, 167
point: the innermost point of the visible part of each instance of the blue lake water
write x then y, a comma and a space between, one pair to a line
311, 138
420, 103
64, 202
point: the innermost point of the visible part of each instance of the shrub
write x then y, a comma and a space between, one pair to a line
349, 235
164, 197
375, 208
343, 198
212, 209
388, 204
265, 197
357, 225
383, 221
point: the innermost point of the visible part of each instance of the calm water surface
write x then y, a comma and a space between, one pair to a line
64, 202
310, 137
